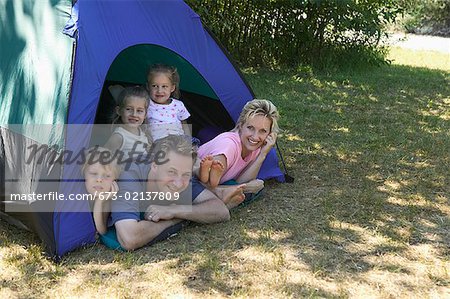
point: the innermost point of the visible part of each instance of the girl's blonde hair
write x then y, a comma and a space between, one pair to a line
133, 91
259, 107
171, 73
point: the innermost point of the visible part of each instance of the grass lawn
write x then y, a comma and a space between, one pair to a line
367, 216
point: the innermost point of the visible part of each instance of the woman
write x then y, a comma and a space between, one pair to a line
238, 155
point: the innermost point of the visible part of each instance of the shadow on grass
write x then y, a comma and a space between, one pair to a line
370, 157
369, 152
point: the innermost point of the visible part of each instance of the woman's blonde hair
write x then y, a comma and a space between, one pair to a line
259, 107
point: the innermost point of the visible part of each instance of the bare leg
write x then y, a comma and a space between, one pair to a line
215, 173
205, 167
254, 186
232, 196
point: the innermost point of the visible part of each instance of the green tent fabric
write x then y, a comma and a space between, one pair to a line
131, 66
36, 49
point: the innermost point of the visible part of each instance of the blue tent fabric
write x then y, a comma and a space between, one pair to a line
101, 30
171, 24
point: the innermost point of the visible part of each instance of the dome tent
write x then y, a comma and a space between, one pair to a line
52, 78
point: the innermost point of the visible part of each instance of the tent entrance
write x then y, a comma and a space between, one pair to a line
130, 68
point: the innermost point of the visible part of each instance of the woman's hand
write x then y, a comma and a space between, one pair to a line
251, 171
269, 143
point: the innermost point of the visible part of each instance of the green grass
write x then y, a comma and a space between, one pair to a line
367, 216
426, 59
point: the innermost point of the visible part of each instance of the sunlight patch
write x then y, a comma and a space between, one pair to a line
269, 234
427, 223
256, 255
292, 137
341, 129
369, 239
390, 185
375, 177
347, 157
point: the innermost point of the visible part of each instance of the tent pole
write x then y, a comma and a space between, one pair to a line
287, 177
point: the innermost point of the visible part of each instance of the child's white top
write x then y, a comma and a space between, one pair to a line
166, 120
130, 141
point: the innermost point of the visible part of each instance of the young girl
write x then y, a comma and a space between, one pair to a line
166, 115
128, 137
100, 172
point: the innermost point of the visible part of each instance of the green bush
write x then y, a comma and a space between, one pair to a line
292, 32
427, 16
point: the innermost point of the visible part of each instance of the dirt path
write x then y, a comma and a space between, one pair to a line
420, 42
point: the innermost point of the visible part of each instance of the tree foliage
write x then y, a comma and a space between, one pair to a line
427, 16
266, 32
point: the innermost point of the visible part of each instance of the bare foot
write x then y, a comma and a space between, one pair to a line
215, 173
205, 167
232, 196
254, 186
101, 211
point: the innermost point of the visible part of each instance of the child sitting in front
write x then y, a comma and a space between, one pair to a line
128, 137
166, 115
100, 172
